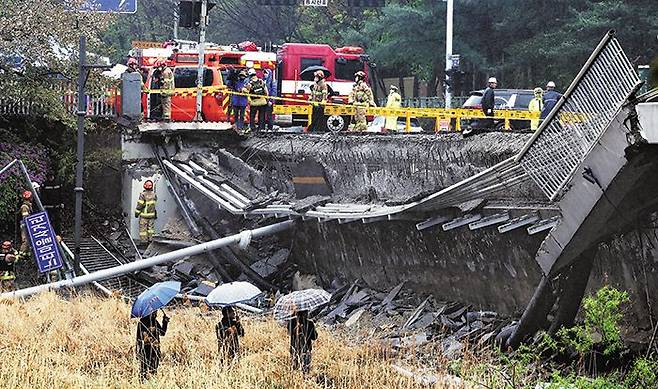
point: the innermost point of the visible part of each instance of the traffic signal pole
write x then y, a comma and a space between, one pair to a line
202, 43
449, 12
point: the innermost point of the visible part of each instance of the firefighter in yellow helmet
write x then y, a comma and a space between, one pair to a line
167, 77
146, 212
25, 210
8, 259
361, 97
536, 105
319, 96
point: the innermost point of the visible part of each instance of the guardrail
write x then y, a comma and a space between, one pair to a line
97, 106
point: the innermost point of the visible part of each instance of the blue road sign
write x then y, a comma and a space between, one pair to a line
44, 242
115, 6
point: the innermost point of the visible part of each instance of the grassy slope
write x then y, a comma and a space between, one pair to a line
89, 342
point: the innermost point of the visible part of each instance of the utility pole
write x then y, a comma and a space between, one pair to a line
176, 21
449, 12
202, 43
79, 168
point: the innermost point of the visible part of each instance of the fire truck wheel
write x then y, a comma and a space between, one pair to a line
336, 123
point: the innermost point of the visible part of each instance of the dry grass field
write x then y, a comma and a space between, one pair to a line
88, 342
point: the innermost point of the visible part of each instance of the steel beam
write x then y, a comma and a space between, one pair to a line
519, 222
431, 222
461, 221
148, 262
490, 221
544, 225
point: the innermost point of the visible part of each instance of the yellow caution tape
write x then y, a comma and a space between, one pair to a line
305, 107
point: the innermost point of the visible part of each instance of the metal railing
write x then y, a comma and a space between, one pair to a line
97, 106
563, 141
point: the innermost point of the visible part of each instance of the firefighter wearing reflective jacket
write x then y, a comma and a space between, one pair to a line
25, 211
167, 88
146, 212
8, 259
361, 97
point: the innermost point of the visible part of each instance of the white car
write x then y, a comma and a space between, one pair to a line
378, 123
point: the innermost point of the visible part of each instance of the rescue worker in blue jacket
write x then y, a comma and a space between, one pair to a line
239, 102
551, 96
270, 82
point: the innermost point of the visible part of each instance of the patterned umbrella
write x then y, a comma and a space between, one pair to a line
154, 298
301, 300
232, 293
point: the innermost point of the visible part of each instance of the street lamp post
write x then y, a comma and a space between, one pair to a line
449, 12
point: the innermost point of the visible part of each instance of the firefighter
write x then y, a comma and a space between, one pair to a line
536, 105
8, 259
25, 210
394, 101
361, 97
551, 97
147, 345
302, 335
133, 65
146, 212
167, 88
257, 100
228, 331
488, 102
318, 97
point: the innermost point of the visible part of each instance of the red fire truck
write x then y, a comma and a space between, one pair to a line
342, 63
288, 64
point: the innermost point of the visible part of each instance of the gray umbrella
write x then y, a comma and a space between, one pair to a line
232, 293
302, 300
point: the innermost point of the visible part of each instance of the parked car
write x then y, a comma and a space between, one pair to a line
516, 99
378, 123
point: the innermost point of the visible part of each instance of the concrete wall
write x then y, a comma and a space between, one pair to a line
139, 166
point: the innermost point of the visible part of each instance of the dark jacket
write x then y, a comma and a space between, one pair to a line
488, 101
302, 335
222, 329
149, 332
239, 86
550, 99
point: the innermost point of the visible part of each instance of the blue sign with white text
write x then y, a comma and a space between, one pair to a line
44, 242
116, 6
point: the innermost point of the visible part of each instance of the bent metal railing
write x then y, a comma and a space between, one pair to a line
562, 142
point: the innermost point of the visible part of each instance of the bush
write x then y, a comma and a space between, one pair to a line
36, 160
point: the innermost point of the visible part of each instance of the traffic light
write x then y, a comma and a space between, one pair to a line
278, 3
189, 13
366, 3
456, 80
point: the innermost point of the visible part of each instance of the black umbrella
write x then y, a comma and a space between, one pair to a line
308, 72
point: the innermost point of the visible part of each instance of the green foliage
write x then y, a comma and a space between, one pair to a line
573, 381
643, 374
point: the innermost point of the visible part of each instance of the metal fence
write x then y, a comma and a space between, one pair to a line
97, 106
426, 102
580, 117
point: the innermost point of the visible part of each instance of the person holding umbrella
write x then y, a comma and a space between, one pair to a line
294, 308
228, 331
149, 332
302, 334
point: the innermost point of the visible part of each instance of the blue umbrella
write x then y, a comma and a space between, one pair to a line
154, 298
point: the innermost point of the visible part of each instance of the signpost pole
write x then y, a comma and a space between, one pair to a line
202, 44
81, 112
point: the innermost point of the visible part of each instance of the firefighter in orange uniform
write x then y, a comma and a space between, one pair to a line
8, 259
146, 213
25, 210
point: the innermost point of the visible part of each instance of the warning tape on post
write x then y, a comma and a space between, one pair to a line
304, 108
